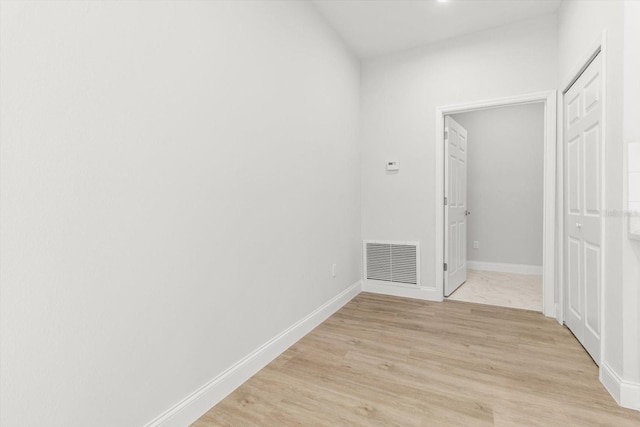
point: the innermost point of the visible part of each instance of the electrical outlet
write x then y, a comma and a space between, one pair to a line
476, 244
334, 270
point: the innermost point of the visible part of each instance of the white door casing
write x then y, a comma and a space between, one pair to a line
583, 207
455, 172
552, 241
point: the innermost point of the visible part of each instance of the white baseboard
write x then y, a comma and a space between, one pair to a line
505, 268
558, 313
200, 401
626, 393
385, 288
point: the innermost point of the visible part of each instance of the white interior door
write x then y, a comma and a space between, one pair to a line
455, 212
583, 203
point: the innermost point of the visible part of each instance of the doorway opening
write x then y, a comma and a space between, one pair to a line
494, 177
444, 236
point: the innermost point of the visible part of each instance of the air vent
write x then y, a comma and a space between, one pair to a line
391, 262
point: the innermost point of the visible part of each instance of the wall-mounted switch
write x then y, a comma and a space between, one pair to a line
393, 165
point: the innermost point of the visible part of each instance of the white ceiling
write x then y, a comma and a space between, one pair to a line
377, 27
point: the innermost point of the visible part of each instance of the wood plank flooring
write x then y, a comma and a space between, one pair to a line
389, 361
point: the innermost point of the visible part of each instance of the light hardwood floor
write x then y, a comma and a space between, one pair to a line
389, 361
503, 289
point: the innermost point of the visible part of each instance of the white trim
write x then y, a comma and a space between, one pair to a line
200, 401
394, 289
603, 195
560, 210
610, 380
603, 186
625, 393
549, 98
505, 268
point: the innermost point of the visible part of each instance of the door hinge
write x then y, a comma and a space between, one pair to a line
445, 266
446, 135
446, 201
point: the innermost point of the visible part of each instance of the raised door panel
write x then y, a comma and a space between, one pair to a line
453, 248
453, 181
592, 93
462, 245
574, 277
573, 176
591, 168
592, 286
573, 111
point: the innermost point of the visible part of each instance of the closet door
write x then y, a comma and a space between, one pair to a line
583, 203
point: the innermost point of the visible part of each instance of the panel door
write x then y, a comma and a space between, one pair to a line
456, 209
583, 207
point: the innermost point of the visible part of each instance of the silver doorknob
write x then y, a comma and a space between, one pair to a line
578, 225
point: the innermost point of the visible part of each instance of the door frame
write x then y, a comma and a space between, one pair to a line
598, 47
550, 192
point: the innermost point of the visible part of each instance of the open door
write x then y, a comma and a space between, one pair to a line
455, 209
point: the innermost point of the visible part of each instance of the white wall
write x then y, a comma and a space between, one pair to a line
399, 100
631, 248
505, 160
177, 179
581, 25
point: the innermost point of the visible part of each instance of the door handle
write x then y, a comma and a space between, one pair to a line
578, 225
